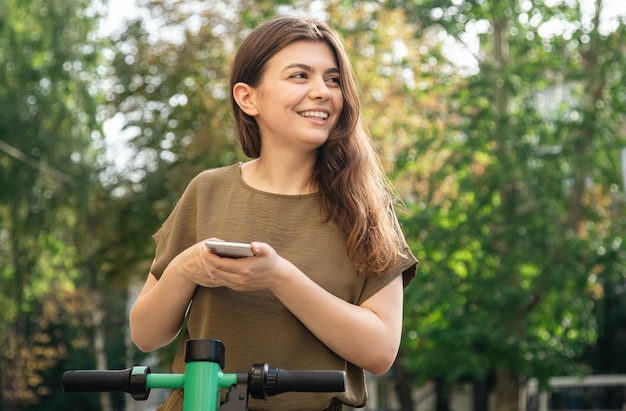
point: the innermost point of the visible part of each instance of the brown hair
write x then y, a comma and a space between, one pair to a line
352, 183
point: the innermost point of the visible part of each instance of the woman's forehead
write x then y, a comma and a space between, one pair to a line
313, 54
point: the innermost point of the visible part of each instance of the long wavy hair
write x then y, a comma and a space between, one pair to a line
352, 183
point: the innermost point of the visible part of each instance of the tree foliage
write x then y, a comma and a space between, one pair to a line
519, 214
49, 163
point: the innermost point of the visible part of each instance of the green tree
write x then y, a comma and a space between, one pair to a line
48, 167
518, 214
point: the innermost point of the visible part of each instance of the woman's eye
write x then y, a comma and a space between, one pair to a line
299, 75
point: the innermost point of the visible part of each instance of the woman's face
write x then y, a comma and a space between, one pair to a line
298, 100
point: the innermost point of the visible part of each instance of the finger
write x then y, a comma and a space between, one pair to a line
257, 248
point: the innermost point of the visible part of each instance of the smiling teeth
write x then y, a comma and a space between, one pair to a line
318, 115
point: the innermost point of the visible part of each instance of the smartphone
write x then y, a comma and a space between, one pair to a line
228, 249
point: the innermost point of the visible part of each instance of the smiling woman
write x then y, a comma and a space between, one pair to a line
324, 286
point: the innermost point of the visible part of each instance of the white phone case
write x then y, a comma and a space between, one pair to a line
229, 249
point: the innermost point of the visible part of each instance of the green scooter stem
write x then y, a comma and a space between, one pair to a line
202, 386
203, 374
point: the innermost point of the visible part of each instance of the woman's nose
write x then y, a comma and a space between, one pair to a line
320, 89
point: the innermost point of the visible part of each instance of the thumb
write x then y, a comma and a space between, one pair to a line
258, 248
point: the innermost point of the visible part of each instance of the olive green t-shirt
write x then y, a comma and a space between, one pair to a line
255, 327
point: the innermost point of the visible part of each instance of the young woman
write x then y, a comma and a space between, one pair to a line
324, 287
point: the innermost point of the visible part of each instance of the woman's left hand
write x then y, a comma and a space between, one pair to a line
254, 273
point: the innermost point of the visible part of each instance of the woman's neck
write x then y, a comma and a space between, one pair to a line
279, 177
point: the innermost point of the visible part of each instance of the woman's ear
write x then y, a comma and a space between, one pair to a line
244, 96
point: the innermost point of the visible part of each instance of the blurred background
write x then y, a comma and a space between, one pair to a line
502, 124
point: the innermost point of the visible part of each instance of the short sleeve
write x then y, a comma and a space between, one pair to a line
178, 232
407, 268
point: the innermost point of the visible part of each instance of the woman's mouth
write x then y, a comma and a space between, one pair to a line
314, 115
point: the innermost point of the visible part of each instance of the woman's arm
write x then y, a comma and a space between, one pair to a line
367, 335
157, 316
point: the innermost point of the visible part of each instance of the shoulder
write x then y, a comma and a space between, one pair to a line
230, 172
213, 177
207, 183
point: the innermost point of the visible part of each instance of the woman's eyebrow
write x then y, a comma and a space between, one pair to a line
308, 68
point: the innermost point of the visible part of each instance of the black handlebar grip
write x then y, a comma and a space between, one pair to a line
265, 381
97, 380
310, 381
